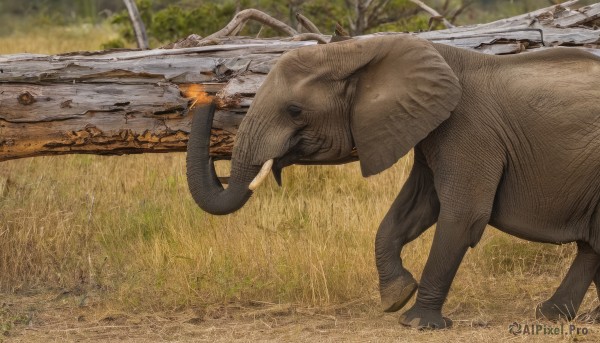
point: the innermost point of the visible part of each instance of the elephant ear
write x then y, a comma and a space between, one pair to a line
404, 90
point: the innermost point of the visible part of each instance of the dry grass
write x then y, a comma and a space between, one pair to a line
123, 232
127, 224
34, 37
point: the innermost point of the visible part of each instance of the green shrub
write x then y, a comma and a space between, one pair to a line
116, 43
174, 22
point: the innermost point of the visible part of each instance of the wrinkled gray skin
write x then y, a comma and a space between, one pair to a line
510, 141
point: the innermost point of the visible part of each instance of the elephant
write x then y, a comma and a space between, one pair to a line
507, 141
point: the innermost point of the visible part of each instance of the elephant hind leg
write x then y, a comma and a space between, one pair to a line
593, 316
565, 302
415, 210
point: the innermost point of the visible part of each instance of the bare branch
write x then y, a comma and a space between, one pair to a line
238, 28
445, 7
433, 13
138, 25
340, 31
309, 36
307, 24
361, 19
252, 14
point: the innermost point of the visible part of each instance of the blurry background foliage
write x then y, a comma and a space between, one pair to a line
171, 20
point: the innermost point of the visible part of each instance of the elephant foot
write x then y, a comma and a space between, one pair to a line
395, 294
423, 319
555, 311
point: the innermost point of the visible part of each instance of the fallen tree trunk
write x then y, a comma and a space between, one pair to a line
124, 102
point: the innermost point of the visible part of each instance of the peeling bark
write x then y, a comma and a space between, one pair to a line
126, 102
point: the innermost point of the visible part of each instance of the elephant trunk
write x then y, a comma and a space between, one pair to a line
204, 185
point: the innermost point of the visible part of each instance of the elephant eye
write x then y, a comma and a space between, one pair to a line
294, 110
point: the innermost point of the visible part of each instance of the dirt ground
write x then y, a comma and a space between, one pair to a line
64, 317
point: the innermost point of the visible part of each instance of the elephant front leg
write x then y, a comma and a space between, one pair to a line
414, 210
466, 171
450, 243
565, 302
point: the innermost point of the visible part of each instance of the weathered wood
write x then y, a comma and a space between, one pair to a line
579, 16
125, 101
133, 101
557, 23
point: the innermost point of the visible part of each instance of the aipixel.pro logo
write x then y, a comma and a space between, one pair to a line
516, 328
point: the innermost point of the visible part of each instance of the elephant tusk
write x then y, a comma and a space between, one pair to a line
262, 175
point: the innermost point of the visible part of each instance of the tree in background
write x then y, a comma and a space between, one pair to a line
176, 21
169, 20
184, 17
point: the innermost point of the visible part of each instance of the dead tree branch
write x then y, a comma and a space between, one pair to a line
307, 24
434, 14
240, 19
138, 25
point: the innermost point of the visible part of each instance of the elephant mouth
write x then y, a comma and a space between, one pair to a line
295, 152
296, 156
280, 163
302, 152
